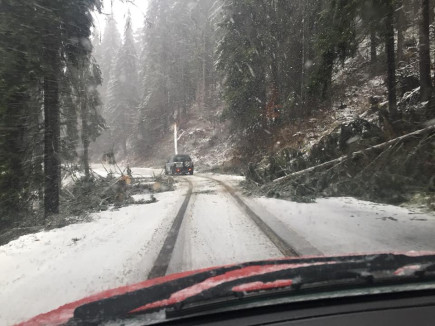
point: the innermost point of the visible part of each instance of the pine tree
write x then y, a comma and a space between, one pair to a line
265, 54
35, 55
84, 104
154, 109
336, 42
177, 67
52, 44
241, 59
20, 115
106, 49
92, 123
123, 92
67, 30
106, 52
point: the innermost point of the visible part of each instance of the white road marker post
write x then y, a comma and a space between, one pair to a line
175, 139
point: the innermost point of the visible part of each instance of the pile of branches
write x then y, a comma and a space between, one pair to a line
98, 193
94, 194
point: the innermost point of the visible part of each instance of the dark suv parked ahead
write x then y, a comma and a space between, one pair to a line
179, 164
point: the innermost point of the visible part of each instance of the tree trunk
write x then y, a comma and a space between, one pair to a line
364, 152
400, 29
431, 20
124, 147
86, 158
424, 50
52, 127
391, 59
85, 140
204, 68
373, 45
13, 173
303, 54
328, 62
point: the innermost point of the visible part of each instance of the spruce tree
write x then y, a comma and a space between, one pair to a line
123, 92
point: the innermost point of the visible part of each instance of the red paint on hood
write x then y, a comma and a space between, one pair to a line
64, 313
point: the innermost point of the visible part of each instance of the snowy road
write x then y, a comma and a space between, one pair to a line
216, 231
45, 270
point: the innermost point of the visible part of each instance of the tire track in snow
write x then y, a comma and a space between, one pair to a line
162, 262
217, 232
282, 245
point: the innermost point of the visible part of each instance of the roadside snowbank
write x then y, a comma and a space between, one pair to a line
347, 225
103, 170
40, 272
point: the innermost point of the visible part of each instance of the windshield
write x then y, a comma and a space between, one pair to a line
144, 138
181, 158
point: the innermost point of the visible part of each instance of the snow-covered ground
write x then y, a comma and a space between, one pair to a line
42, 271
103, 170
343, 225
215, 231
348, 225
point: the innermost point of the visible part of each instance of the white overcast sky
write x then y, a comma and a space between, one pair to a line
120, 8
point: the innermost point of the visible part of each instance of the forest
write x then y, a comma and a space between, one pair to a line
268, 70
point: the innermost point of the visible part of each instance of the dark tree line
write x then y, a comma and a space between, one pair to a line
48, 100
283, 54
272, 62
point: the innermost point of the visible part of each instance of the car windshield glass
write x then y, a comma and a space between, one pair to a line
215, 149
181, 158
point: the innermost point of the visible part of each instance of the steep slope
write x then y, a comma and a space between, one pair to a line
355, 119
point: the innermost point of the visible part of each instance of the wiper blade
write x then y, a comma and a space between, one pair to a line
302, 279
293, 274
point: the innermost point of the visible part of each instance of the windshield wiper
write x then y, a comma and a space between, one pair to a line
304, 280
299, 274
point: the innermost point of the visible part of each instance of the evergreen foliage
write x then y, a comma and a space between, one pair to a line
282, 54
123, 92
39, 41
154, 85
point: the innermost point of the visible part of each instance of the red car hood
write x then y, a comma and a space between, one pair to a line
64, 313
213, 277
